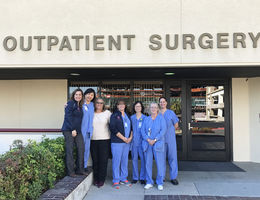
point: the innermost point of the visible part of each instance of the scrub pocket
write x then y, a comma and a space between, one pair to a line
159, 146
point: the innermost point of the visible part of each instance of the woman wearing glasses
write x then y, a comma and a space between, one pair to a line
136, 146
153, 131
100, 142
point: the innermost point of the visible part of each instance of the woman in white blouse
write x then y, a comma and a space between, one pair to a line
100, 142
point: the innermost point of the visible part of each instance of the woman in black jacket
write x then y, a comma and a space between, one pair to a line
121, 136
71, 129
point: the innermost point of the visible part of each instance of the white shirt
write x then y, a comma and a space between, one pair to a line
101, 126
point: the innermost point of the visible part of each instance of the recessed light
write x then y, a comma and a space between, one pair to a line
74, 74
169, 73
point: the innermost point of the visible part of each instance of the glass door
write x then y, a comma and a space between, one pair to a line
207, 117
175, 94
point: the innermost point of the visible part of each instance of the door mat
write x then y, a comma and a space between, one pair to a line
209, 166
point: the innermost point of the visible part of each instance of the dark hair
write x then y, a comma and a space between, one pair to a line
73, 94
103, 109
117, 103
162, 98
90, 90
142, 111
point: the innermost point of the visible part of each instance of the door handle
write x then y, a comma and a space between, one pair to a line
189, 127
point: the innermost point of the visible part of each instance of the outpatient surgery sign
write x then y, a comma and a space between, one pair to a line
125, 42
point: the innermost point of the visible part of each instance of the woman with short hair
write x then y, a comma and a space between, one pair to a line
153, 131
100, 142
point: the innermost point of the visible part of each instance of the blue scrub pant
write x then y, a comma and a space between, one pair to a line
171, 154
87, 148
138, 150
120, 153
160, 163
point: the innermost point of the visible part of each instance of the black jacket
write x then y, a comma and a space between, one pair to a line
73, 117
117, 125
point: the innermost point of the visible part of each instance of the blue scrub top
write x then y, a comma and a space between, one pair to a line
127, 125
87, 121
154, 129
137, 125
171, 119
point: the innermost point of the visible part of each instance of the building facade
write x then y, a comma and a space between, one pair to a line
202, 55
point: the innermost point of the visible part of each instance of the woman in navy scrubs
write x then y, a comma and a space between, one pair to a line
71, 129
153, 131
121, 136
87, 122
137, 120
170, 140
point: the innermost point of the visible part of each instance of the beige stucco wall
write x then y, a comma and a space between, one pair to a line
32, 103
254, 118
240, 109
141, 18
246, 121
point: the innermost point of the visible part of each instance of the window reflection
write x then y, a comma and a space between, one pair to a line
207, 103
175, 105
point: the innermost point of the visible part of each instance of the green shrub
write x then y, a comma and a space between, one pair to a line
25, 172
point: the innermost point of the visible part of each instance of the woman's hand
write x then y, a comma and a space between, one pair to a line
151, 142
128, 140
74, 133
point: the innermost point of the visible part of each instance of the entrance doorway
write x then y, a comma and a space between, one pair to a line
203, 110
202, 107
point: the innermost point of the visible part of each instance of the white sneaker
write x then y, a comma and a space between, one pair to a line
160, 187
148, 186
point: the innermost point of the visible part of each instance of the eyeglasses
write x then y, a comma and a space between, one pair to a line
99, 103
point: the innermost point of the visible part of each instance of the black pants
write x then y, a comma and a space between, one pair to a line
69, 147
100, 152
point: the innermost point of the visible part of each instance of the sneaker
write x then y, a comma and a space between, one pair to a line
142, 182
126, 183
116, 185
160, 187
148, 186
174, 182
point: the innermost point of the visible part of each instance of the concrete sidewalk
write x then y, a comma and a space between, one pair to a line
242, 184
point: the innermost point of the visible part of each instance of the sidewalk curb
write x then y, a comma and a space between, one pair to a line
82, 189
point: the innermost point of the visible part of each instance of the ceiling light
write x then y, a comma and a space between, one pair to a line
169, 73
74, 74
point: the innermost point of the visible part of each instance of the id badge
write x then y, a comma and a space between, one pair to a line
149, 132
139, 124
86, 108
125, 124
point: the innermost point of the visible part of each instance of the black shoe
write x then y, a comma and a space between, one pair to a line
174, 182
142, 182
73, 175
82, 173
134, 181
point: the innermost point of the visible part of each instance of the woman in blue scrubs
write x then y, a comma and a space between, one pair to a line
87, 122
170, 140
153, 131
121, 136
137, 120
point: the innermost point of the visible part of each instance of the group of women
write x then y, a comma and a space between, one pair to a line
94, 129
